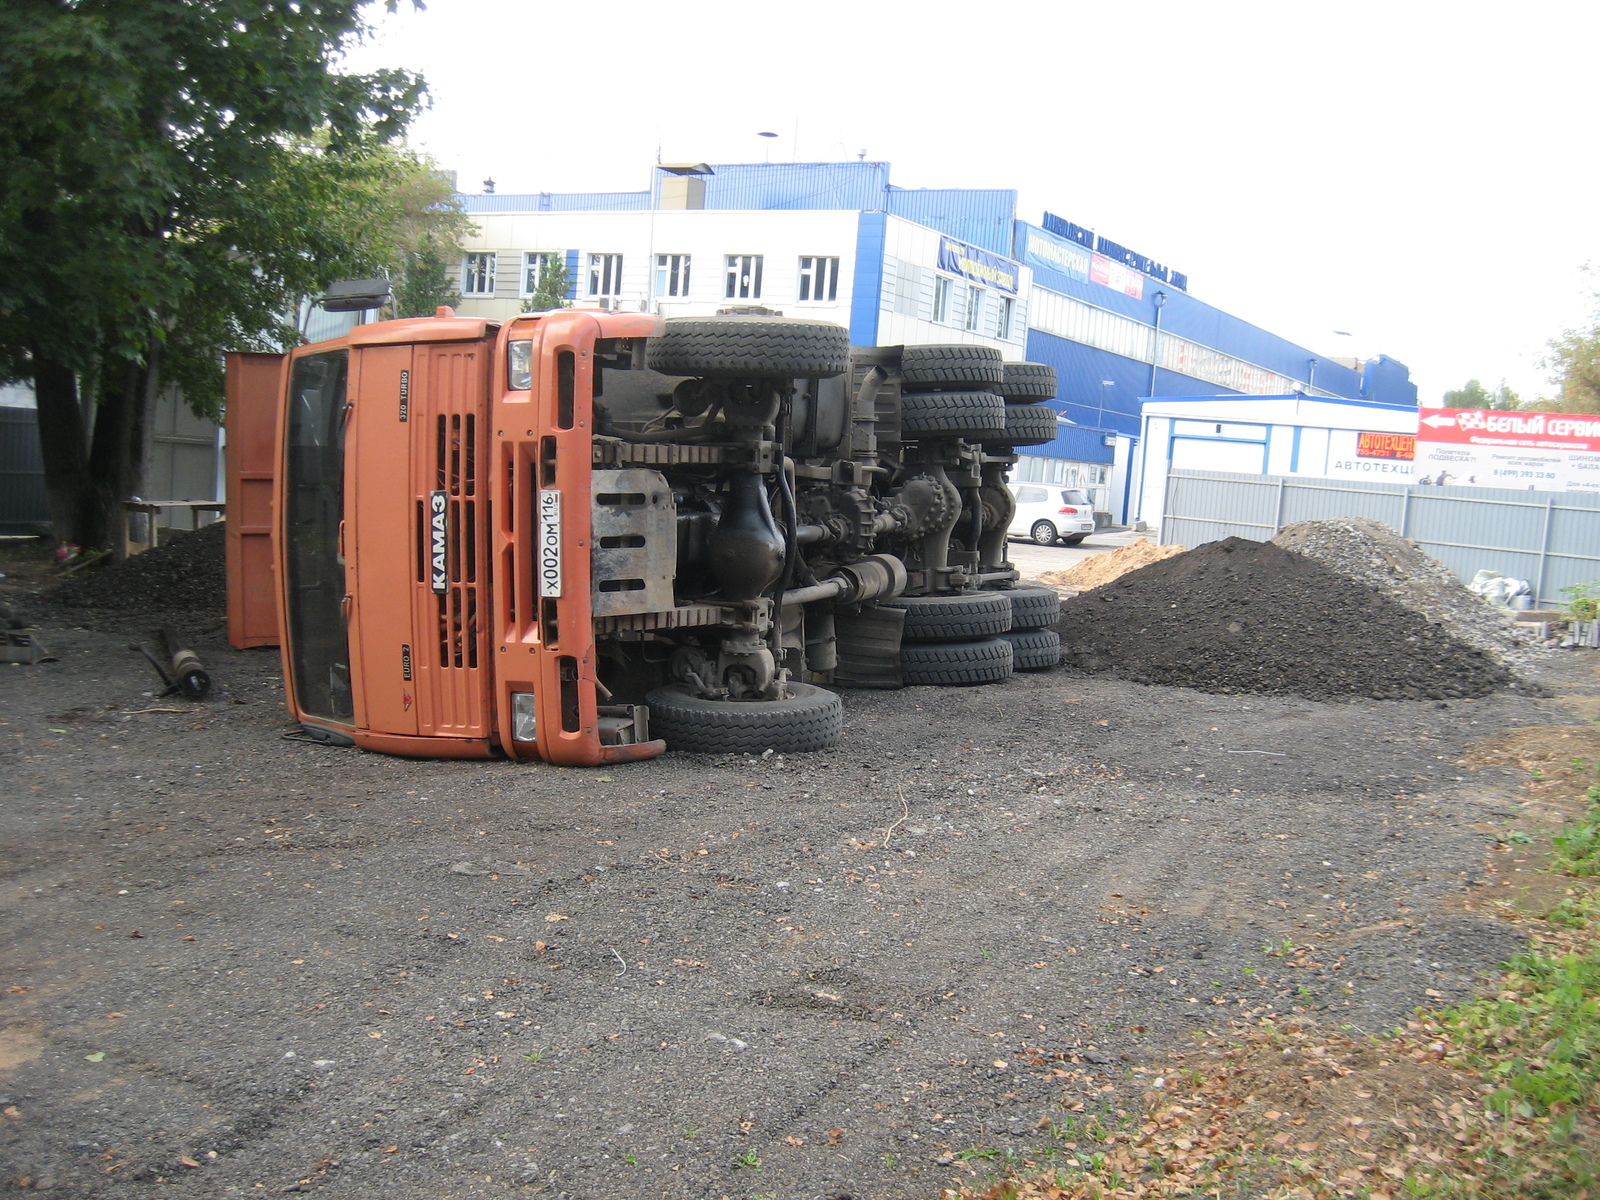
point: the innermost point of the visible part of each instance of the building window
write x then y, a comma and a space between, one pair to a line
744, 277
941, 299
672, 274
1008, 313
535, 265
974, 309
477, 273
819, 278
605, 274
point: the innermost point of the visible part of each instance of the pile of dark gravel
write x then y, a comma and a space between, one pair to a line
1243, 616
1375, 556
185, 575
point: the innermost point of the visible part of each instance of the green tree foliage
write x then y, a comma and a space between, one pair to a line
424, 274
424, 282
553, 284
173, 176
1574, 361
1474, 395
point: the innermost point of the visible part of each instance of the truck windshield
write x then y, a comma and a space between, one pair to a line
319, 648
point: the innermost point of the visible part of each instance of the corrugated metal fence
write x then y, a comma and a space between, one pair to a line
24, 507
1551, 539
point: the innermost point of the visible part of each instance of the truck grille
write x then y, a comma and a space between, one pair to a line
451, 512
457, 592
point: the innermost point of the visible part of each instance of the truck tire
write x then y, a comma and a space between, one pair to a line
766, 347
947, 618
810, 719
956, 663
1034, 649
1029, 381
1027, 425
976, 416
1033, 607
924, 368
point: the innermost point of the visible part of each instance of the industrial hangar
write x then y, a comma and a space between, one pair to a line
839, 241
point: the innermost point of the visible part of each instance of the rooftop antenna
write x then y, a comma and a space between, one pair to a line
488, 187
861, 155
768, 143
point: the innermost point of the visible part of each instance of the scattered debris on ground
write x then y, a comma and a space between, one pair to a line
1244, 616
1103, 568
185, 575
1375, 556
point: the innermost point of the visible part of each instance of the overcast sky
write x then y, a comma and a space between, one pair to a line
1420, 175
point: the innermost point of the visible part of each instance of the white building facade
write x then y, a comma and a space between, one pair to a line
904, 285
1290, 435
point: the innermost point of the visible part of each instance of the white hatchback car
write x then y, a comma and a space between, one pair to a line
1046, 513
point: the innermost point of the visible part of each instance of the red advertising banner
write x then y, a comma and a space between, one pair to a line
1557, 452
1386, 445
1116, 276
1528, 430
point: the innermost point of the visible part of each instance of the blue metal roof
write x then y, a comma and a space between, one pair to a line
849, 185
978, 216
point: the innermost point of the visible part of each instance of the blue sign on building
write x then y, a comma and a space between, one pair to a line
961, 259
1046, 251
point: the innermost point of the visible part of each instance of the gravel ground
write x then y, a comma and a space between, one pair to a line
236, 963
185, 576
1373, 555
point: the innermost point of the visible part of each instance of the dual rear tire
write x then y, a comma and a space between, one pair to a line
978, 637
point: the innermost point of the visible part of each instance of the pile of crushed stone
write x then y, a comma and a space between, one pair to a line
185, 575
1375, 556
1103, 568
1243, 616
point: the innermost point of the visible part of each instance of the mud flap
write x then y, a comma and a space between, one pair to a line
869, 646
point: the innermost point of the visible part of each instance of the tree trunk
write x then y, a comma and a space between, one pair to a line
63, 447
88, 477
116, 455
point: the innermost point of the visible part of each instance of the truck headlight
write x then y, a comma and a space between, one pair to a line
523, 724
519, 368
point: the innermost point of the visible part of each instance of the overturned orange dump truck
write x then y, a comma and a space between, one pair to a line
586, 537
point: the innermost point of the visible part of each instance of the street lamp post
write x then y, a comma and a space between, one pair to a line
1160, 299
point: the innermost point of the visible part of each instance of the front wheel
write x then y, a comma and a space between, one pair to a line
1043, 533
810, 719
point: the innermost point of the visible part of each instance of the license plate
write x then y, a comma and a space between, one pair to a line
549, 542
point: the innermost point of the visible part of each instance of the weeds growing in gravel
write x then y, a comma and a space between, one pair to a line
1577, 852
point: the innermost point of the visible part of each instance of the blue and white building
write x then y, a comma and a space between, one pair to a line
895, 265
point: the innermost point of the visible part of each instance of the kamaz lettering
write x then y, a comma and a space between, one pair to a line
438, 504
